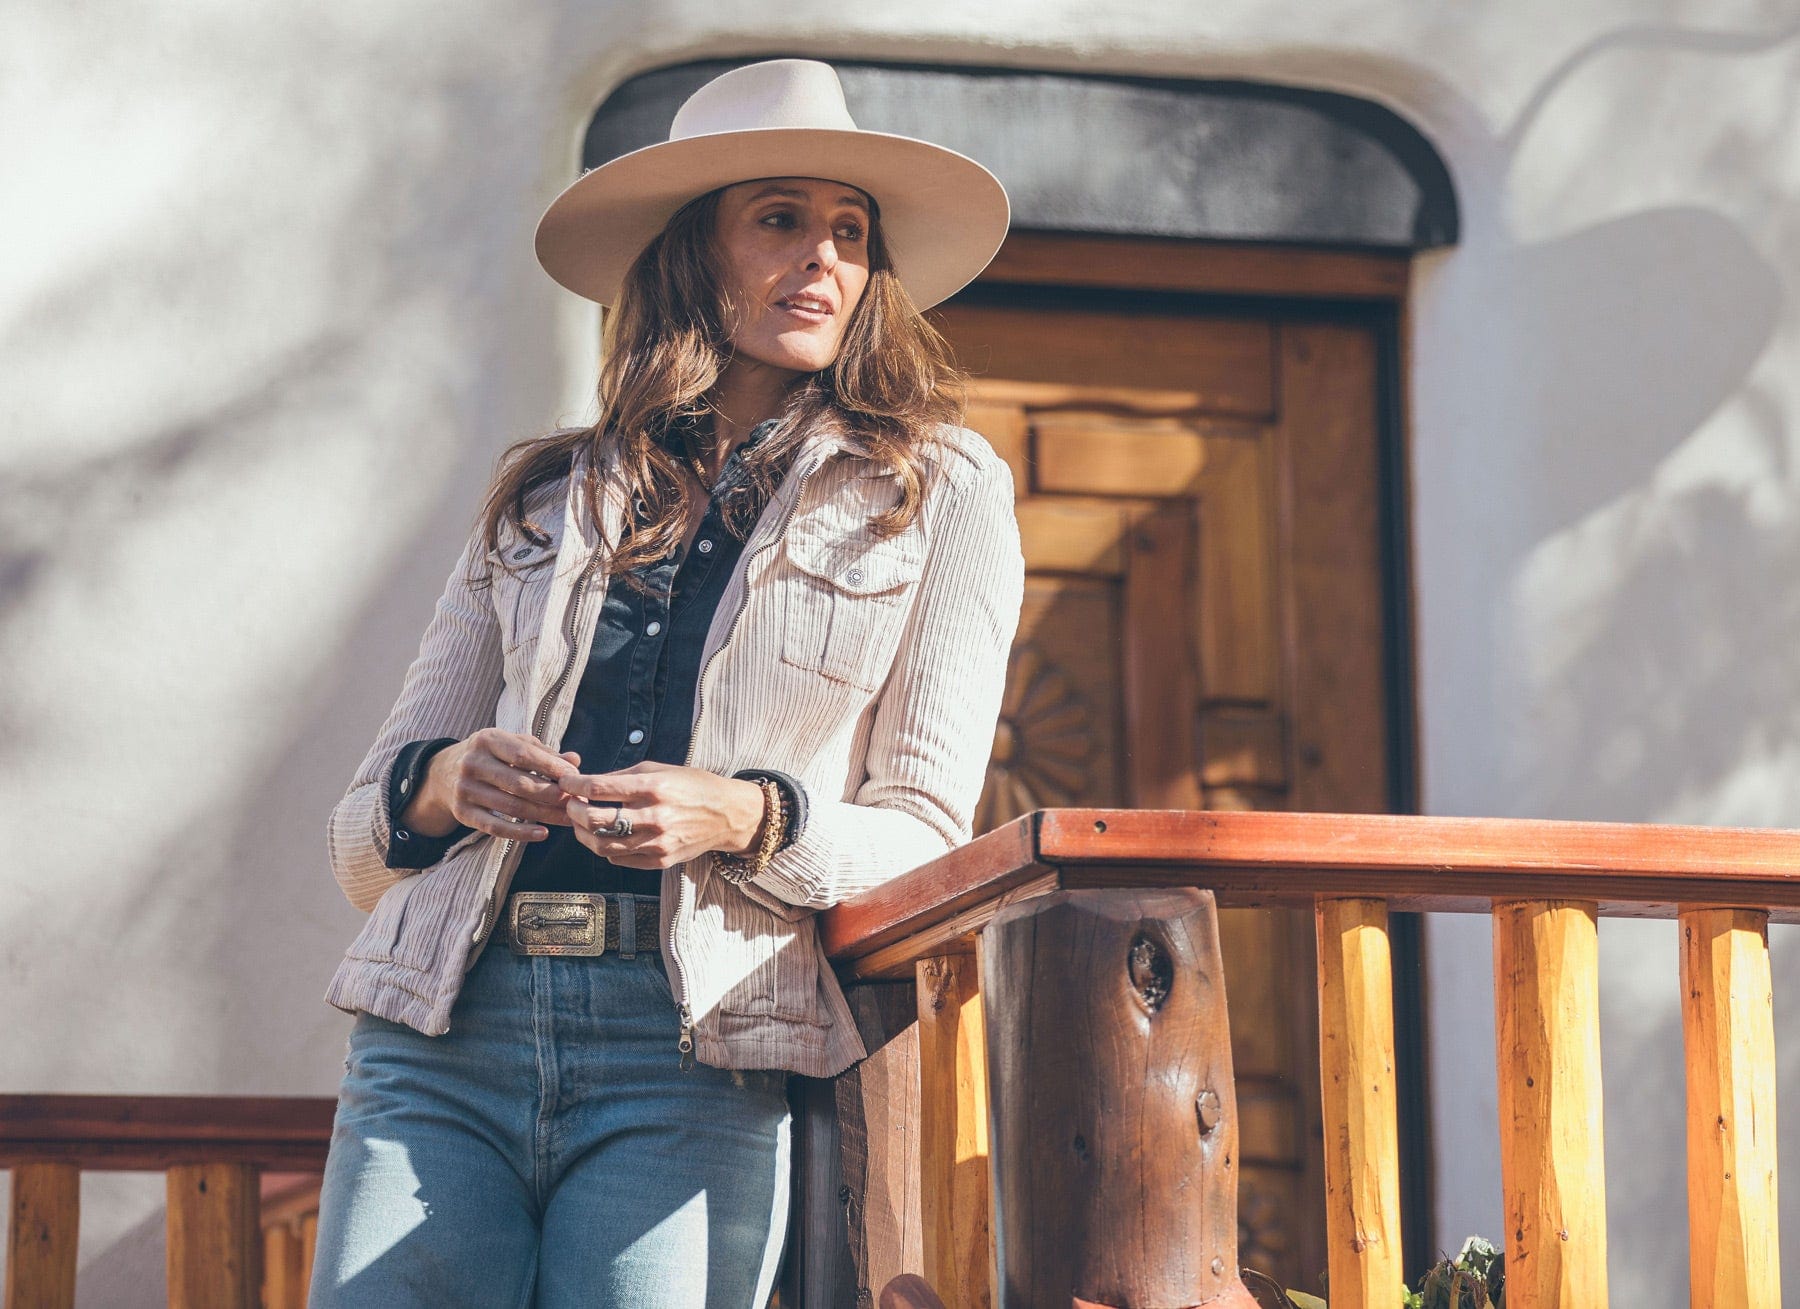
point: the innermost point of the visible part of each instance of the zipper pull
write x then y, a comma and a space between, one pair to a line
686, 1043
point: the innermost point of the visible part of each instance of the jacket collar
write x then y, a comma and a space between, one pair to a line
827, 437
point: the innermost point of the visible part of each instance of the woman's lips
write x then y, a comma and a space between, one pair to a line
805, 313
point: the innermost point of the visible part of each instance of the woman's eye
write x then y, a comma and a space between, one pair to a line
779, 218
851, 231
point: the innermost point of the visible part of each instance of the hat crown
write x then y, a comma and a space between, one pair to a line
775, 93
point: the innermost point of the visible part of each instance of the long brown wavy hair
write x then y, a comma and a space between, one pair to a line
667, 342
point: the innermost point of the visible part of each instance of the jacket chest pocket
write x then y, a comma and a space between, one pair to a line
520, 573
846, 601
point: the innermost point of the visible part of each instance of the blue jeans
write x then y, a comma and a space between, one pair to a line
548, 1150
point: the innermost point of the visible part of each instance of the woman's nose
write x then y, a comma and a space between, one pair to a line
822, 254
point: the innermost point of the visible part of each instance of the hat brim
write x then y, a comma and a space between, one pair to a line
943, 215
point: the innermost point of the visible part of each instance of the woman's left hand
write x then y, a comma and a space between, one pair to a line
675, 813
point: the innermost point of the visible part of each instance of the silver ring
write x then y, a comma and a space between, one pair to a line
508, 818
621, 825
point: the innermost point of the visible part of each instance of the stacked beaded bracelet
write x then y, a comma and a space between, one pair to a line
737, 868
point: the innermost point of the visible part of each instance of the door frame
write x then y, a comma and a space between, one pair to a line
1371, 288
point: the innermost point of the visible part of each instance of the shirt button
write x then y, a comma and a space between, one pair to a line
652, 629
705, 547
855, 575
521, 552
635, 736
405, 785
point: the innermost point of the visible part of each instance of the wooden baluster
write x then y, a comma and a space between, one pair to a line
953, 1132
1356, 1077
1728, 1026
214, 1236
1547, 998
282, 1284
1115, 1120
42, 1235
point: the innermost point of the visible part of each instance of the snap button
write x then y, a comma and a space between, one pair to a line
401, 834
653, 629
635, 735
705, 547
855, 575
405, 785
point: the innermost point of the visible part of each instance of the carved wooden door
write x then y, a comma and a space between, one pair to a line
1199, 501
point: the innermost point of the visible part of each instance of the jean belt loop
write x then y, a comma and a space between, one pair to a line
627, 925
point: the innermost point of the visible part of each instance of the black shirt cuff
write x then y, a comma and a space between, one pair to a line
407, 848
791, 790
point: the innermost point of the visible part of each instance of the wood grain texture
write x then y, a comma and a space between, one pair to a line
954, 1183
1415, 863
214, 1237
1357, 1083
1224, 267
1728, 1028
1214, 365
43, 1232
878, 1122
1553, 1179
151, 1132
1114, 1113
1162, 693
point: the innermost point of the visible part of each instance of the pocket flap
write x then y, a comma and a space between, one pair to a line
857, 565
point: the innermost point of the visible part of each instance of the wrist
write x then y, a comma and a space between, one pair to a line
744, 817
428, 813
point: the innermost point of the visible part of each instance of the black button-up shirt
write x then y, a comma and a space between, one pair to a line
635, 701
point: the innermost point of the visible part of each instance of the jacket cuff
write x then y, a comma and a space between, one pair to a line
791, 790
407, 848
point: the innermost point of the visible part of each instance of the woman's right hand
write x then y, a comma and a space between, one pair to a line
501, 783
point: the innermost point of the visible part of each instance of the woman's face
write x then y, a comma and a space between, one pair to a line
796, 254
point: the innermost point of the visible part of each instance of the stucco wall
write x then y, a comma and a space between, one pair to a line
269, 311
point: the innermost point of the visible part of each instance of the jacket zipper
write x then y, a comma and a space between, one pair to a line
677, 975
540, 720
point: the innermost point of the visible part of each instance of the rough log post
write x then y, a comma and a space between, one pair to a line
42, 1235
1728, 1024
953, 1132
1114, 1116
1547, 1001
1356, 1078
214, 1236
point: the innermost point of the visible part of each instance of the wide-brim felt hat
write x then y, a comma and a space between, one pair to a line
942, 214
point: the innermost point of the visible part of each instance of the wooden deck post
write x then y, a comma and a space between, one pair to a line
953, 1132
1547, 1012
42, 1235
1356, 1078
1728, 1026
1115, 1120
214, 1239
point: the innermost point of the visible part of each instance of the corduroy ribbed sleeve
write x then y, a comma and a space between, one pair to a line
451, 690
933, 729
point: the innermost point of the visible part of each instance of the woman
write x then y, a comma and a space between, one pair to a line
725, 658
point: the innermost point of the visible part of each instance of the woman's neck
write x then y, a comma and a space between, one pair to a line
746, 393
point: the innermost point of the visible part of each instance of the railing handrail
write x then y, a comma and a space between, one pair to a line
149, 1133
1266, 858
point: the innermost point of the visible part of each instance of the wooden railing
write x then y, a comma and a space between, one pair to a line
213, 1151
1544, 884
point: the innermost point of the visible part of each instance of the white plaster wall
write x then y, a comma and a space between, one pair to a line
268, 311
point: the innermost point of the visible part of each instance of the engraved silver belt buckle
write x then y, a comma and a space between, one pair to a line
556, 923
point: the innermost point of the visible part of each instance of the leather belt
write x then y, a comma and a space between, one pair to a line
582, 923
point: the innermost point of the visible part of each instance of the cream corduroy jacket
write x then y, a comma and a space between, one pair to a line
869, 669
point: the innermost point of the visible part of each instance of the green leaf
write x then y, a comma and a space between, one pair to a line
1304, 1301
